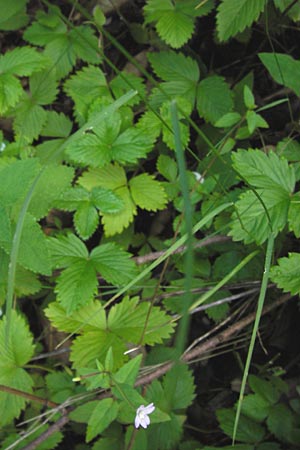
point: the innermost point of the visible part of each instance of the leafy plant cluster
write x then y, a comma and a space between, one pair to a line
85, 157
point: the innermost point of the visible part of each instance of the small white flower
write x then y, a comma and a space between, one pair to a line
142, 413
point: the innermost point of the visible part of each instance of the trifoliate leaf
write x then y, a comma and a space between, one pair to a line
13, 355
47, 27
282, 68
105, 412
86, 220
22, 61
287, 273
76, 285
235, 15
251, 221
147, 193
113, 263
214, 98
294, 213
65, 250
264, 171
10, 91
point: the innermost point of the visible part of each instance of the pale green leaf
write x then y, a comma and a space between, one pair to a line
72, 198
14, 353
10, 91
89, 317
65, 250
214, 98
264, 171
22, 61
113, 263
86, 220
228, 120
147, 193
235, 15
248, 98
287, 273
283, 68
294, 214
105, 412
111, 177
76, 285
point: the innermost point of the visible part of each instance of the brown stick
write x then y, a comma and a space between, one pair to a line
164, 368
34, 398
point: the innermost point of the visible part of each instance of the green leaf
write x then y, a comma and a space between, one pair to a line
76, 285
266, 389
249, 98
185, 109
86, 220
283, 68
51, 184
112, 177
280, 422
131, 145
13, 355
22, 61
248, 431
167, 434
255, 407
132, 322
43, 87
214, 98
83, 87
287, 273
293, 214
175, 20
235, 15
114, 264
114, 223
128, 373
125, 81
90, 317
179, 389
264, 171
228, 120
29, 121
147, 193
66, 250
172, 66
105, 412
11, 9
251, 222
10, 91
106, 200
167, 167
57, 125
